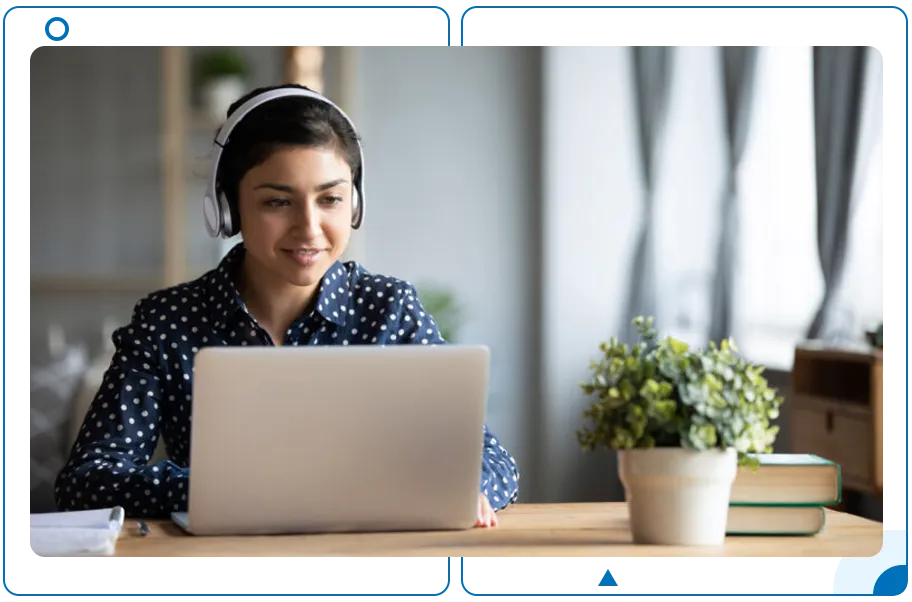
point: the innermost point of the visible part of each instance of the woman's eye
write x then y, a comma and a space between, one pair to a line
277, 202
332, 200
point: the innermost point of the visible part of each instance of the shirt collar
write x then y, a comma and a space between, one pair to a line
332, 300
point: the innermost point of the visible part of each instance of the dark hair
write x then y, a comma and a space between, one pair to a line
282, 123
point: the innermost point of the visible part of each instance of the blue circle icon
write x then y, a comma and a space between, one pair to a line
66, 29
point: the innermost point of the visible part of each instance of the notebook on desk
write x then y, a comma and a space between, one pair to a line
334, 439
78, 533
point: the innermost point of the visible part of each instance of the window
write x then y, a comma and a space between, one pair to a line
779, 284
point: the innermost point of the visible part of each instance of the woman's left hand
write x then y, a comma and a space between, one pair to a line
486, 516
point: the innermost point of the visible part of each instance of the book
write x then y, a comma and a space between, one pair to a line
788, 479
77, 533
775, 520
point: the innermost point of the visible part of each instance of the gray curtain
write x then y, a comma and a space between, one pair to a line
838, 87
652, 79
738, 67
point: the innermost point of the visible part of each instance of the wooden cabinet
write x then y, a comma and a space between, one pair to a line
836, 412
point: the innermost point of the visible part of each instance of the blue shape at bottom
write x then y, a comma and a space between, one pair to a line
892, 581
609, 580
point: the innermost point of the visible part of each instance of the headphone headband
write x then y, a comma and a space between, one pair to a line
215, 208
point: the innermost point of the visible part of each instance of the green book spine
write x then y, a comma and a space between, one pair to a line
781, 534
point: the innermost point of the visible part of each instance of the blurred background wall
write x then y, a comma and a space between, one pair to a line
509, 182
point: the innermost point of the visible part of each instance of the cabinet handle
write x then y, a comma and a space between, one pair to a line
829, 421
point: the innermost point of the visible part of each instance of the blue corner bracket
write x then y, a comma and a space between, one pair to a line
885, 574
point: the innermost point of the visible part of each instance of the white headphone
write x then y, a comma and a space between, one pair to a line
216, 210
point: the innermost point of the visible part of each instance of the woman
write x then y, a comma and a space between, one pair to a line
288, 176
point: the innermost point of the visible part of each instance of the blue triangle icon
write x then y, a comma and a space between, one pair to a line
607, 579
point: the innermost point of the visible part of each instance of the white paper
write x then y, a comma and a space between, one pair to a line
79, 533
73, 542
97, 519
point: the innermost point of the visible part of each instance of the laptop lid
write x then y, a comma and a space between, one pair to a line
327, 439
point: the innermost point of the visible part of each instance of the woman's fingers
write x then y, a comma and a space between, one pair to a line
486, 516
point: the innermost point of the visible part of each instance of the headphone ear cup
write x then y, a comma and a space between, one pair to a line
213, 215
231, 221
356, 205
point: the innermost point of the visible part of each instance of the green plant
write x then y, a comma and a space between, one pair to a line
441, 304
875, 337
661, 393
224, 62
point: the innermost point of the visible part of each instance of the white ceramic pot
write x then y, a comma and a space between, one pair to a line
218, 94
677, 496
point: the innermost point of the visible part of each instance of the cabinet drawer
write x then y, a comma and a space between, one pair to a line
839, 433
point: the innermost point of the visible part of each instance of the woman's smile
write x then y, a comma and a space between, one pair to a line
304, 257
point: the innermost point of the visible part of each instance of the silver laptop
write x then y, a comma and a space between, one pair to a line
336, 439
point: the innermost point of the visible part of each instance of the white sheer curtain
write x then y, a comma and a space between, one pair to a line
690, 183
860, 296
779, 283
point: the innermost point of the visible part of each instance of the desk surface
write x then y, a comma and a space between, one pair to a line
524, 530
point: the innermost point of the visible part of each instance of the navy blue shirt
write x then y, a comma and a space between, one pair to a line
146, 391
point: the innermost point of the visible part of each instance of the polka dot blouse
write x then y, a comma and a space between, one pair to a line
146, 391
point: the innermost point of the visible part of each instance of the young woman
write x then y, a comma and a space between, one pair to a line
288, 176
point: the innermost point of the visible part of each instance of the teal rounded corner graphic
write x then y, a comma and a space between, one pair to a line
892, 581
443, 13
462, 24
13, 11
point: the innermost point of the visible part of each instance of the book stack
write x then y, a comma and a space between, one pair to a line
785, 495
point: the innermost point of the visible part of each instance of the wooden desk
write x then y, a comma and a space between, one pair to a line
524, 530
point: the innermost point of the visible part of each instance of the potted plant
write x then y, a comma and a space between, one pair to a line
221, 75
681, 421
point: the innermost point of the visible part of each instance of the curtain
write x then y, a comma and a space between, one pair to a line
652, 78
738, 68
839, 74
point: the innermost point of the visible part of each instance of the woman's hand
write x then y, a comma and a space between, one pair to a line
486, 516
